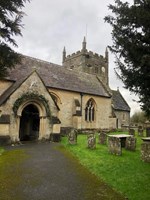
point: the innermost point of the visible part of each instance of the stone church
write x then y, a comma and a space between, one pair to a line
40, 99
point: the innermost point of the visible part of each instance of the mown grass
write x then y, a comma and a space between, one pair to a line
126, 174
1, 151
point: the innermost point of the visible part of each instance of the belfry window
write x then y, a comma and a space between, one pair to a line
90, 111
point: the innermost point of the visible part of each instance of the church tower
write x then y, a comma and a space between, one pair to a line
88, 62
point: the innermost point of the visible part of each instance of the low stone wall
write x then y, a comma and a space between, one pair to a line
5, 140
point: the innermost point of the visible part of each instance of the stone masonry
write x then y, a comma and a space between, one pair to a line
102, 138
130, 143
91, 140
72, 137
114, 146
145, 150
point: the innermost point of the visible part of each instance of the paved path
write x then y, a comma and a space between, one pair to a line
48, 174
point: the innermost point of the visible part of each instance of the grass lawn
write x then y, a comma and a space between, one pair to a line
126, 174
1, 150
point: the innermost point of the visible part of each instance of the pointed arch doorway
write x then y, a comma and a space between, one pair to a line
29, 123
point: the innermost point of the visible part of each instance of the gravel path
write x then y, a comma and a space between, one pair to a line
49, 174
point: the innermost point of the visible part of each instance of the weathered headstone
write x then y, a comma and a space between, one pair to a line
148, 132
91, 140
140, 131
72, 137
102, 138
114, 145
145, 150
131, 132
130, 143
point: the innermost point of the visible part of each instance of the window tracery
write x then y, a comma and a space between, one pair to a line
90, 111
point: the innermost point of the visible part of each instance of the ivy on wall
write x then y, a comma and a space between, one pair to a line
31, 96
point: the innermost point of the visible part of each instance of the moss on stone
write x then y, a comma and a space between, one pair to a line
10, 173
31, 96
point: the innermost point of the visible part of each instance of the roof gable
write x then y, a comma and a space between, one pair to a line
29, 83
119, 102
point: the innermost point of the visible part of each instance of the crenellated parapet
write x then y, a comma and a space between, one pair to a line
88, 62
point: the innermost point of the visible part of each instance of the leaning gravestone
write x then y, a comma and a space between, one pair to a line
72, 137
102, 138
114, 145
91, 140
130, 143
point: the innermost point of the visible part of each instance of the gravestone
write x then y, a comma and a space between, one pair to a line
130, 143
91, 140
145, 150
131, 132
148, 132
72, 136
140, 131
114, 145
102, 138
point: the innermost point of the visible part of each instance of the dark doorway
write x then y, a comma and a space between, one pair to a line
29, 123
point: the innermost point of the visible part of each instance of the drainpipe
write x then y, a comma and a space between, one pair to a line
81, 95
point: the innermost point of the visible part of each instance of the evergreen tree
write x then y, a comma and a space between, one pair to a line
10, 25
131, 46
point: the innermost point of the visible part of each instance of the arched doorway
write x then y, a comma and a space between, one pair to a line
29, 123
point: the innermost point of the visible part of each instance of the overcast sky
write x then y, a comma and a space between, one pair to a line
49, 25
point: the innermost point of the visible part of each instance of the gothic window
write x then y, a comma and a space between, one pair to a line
90, 111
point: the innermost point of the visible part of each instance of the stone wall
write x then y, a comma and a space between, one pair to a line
4, 129
4, 85
32, 85
66, 105
123, 118
88, 62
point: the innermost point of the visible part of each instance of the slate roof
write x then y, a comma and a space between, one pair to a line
56, 76
118, 101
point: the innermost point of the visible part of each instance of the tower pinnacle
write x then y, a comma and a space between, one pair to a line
106, 54
84, 44
64, 54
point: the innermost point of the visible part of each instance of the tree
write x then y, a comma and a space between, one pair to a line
131, 46
138, 118
10, 25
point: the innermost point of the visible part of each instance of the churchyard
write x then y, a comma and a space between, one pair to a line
125, 171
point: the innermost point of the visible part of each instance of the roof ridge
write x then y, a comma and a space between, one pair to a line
39, 60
